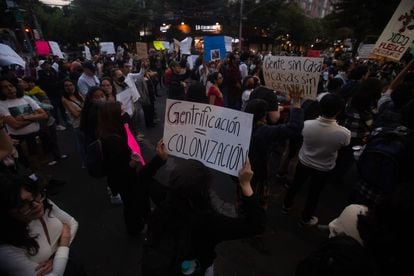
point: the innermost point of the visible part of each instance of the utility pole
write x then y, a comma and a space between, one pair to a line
241, 26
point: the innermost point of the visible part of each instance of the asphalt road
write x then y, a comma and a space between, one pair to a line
105, 249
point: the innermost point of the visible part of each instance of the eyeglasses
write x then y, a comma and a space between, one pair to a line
25, 206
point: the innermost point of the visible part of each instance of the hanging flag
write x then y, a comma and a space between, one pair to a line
214, 48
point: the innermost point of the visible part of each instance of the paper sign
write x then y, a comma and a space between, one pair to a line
281, 71
191, 61
214, 48
176, 44
313, 53
228, 43
165, 44
364, 50
42, 48
185, 46
398, 34
216, 136
88, 55
55, 49
125, 97
107, 47
142, 50
158, 45
8, 56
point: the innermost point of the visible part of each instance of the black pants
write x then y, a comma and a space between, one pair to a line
317, 180
148, 115
48, 138
136, 199
58, 108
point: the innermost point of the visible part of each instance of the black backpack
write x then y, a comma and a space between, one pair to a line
381, 162
94, 160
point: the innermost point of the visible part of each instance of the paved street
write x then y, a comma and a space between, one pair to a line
106, 249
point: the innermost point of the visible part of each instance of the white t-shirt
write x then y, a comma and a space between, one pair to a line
322, 138
85, 82
18, 107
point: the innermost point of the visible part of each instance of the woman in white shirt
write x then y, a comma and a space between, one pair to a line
35, 234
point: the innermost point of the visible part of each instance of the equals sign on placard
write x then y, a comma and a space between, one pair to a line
200, 131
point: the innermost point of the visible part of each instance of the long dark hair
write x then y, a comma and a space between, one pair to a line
66, 95
86, 113
109, 119
13, 231
19, 91
112, 84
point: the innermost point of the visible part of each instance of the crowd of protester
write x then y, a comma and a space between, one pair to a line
358, 102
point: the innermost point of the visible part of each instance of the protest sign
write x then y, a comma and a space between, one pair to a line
166, 44
55, 49
313, 53
158, 45
42, 48
281, 71
364, 50
125, 97
142, 50
107, 47
398, 34
216, 136
88, 55
185, 46
191, 61
214, 48
8, 56
176, 45
228, 42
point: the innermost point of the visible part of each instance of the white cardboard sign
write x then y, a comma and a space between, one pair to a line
8, 56
88, 55
107, 47
216, 136
282, 71
55, 49
398, 34
185, 46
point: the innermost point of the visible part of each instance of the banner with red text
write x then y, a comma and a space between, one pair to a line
398, 35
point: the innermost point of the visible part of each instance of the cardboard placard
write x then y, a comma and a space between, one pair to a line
281, 71
216, 136
142, 50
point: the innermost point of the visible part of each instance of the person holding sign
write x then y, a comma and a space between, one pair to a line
185, 225
123, 168
265, 135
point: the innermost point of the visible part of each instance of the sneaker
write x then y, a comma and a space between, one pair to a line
285, 210
312, 222
116, 200
52, 163
60, 127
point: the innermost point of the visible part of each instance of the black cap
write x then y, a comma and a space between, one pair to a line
266, 94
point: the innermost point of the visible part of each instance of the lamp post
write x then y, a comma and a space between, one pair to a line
241, 25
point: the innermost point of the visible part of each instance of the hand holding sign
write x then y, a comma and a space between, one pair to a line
245, 176
296, 93
161, 150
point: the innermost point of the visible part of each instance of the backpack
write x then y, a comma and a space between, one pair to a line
381, 162
94, 160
